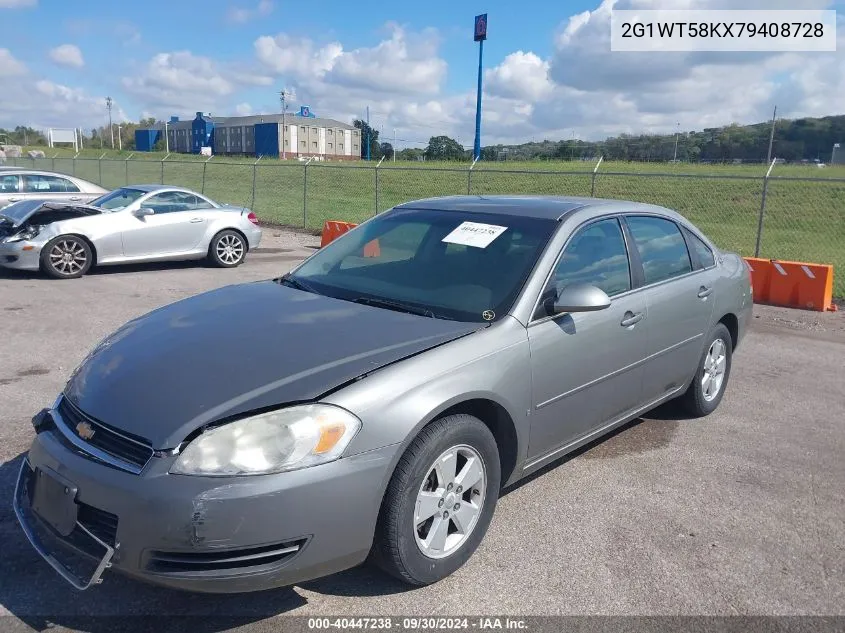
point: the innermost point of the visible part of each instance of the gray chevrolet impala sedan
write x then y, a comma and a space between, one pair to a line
372, 403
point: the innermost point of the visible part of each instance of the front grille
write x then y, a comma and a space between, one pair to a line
100, 523
133, 450
233, 561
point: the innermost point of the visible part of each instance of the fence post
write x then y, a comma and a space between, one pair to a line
377, 166
593, 184
469, 175
305, 194
202, 189
126, 167
162, 166
254, 170
762, 210
100, 167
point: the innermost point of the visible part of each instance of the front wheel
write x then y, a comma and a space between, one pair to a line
711, 377
439, 502
227, 249
66, 257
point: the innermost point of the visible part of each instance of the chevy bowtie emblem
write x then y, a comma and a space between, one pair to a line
85, 430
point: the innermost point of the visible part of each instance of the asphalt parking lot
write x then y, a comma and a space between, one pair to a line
739, 513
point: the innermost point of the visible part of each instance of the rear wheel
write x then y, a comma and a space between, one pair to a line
711, 378
66, 257
227, 249
439, 502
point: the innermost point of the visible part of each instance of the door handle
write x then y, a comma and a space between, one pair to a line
74, 198
704, 291
196, 219
13, 199
631, 319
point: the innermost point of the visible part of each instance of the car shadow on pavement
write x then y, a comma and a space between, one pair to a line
648, 432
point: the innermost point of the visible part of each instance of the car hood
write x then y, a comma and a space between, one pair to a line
19, 212
238, 349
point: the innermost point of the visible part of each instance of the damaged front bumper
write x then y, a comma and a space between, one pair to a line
23, 255
209, 534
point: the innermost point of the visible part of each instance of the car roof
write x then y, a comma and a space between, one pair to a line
543, 207
149, 188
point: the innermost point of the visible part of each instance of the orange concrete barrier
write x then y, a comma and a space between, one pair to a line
792, 284
332, 229
761, 272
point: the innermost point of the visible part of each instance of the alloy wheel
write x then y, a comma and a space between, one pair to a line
230, 249
68, 257
449, 501
715, 363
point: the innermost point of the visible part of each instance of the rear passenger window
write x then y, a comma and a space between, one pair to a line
702, 251
661, 247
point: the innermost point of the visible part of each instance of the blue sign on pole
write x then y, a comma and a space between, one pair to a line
480, 32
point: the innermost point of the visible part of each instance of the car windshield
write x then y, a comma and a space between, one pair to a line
447, 264
117, 199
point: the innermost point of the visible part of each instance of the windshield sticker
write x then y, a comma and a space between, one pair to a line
488, 315
475, 234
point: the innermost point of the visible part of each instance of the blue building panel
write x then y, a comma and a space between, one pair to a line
202, 133
267, 139
146, 139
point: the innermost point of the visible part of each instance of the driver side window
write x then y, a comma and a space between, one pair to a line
595, 255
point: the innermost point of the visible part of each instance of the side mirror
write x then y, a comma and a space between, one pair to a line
143, 211
579, 297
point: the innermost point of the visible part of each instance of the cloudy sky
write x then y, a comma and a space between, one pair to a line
549, 71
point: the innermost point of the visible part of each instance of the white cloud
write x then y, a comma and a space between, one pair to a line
16, 4
244, 109
406, 63
242, 15
43, 103
67, 55
521, 75
9, 66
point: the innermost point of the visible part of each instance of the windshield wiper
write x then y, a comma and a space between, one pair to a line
299, 285
396, 305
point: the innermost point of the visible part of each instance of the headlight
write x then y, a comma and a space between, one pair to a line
26, 234
287, 439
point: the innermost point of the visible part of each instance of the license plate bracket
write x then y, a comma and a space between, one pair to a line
54, 500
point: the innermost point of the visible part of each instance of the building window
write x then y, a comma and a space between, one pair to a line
330, 146
302, 129
329, 132
314, 130
314, 146
340, 147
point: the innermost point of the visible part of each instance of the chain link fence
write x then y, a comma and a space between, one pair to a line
767, 216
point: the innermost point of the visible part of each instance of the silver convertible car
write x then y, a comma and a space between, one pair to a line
134, 224
392, 384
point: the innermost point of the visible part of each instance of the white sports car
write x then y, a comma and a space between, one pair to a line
138, 223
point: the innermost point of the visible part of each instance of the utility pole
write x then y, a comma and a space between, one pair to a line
368, 132
677, 132
771, 137
111, 129
283, 95
833, 152
119, 139
394, 145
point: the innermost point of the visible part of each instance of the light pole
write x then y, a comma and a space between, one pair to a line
677, 132
833, 152
394, 145
166, 139
283, 95
111, 129
479, 35
119, 140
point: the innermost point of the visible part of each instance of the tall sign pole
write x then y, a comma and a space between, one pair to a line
479, 35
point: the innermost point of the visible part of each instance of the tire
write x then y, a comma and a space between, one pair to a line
66, 257
703, 397
227, 249
400, 537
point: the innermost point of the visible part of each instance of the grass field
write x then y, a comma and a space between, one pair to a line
804, 217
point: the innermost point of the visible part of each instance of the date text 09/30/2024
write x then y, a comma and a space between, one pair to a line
419, 623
